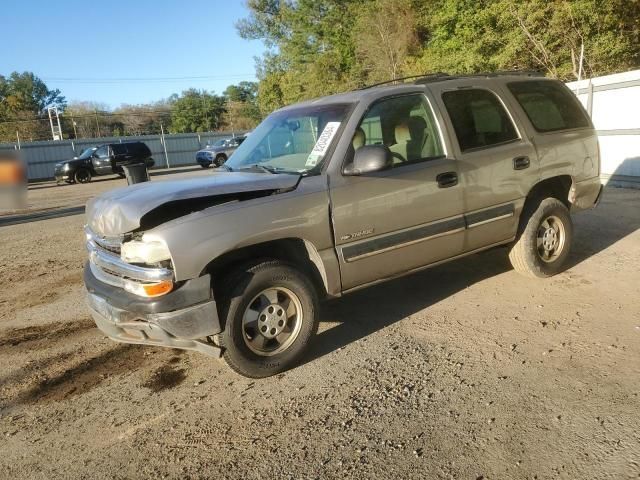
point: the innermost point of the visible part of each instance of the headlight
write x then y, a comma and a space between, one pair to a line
65, 166
140, 251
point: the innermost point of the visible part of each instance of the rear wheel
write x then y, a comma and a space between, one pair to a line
270, 313
82, 175
544, 241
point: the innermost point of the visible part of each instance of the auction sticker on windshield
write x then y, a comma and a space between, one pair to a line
322, 145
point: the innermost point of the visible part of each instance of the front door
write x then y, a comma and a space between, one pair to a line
102, 161
390, 222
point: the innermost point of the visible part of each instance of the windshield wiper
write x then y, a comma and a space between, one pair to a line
264, 168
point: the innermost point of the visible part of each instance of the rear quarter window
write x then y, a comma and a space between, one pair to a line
549, 105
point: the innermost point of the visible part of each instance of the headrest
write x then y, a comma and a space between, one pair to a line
403, 135
417, 126
359, 139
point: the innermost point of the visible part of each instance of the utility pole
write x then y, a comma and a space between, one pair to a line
73, 122
97, 124
18, 135
164, 145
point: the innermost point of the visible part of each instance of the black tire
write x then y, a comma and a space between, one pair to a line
244, 287
82, 175
219, 161
205, 165
532, 254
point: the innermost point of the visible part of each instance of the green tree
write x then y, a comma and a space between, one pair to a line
242, 106
197, 111
319, 47
311, 48
24, 99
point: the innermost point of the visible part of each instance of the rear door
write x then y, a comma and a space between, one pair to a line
497, 162
390, 222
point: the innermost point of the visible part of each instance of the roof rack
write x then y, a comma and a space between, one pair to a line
440, 76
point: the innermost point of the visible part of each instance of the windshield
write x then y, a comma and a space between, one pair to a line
292, 141
219, 143
86, 153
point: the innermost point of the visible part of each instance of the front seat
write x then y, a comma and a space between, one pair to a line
417, 131
403, 136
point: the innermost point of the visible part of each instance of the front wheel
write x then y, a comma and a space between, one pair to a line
219, 161
270, 313
544, 240
82, 175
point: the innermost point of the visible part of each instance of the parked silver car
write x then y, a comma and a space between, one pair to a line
331, 195
218, 152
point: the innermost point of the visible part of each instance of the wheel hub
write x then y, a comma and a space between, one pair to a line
272, 320
549, 239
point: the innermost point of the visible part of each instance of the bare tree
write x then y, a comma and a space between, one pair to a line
386, 34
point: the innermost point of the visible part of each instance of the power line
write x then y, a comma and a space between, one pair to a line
117, 81
148, 113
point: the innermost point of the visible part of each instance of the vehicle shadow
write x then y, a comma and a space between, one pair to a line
369, 310
616, 217
366, 311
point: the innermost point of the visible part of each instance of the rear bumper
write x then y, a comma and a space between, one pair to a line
181, 319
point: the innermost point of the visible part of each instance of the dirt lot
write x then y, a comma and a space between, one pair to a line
49, 195
463, 371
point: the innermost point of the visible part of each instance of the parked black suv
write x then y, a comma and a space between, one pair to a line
104, 159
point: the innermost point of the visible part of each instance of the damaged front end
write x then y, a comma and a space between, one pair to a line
142, 303
134, 291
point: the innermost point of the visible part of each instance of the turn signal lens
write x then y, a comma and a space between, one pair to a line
149, 289
157, 289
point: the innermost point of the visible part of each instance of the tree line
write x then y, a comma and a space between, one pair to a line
319, 47
25, 98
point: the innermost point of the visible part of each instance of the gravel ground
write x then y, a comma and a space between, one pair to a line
467, 370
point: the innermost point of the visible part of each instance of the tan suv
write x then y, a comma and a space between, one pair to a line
334, 194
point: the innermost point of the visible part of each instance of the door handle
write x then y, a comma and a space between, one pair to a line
520, 163
447, 179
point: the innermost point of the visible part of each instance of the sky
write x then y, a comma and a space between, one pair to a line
92, 49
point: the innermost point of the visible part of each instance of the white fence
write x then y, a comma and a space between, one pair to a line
613, 101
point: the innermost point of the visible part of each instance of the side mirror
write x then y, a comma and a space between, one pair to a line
369, 159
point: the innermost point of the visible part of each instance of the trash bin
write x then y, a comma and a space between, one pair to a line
136, 173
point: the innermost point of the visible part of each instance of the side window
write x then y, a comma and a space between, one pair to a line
406, 125
119, 149
549, 105
478, 118
103, 152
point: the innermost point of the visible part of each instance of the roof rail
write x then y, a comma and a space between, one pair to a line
500, 73
439, 76
400, 79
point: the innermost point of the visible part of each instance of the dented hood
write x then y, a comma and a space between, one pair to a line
119, 211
